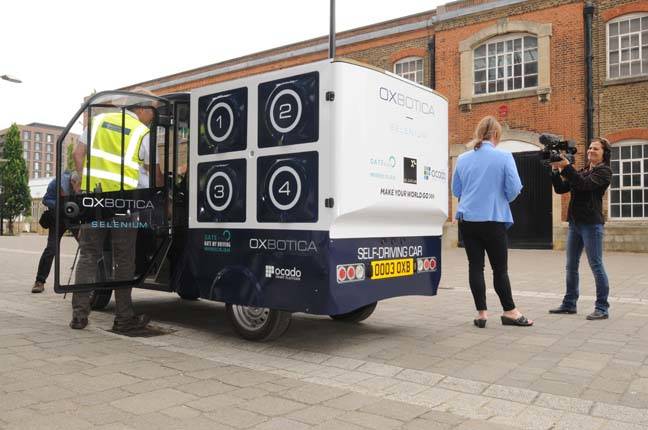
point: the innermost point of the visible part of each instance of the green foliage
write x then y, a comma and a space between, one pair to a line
69, 163
13, 176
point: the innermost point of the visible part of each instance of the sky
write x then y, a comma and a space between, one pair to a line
63, 50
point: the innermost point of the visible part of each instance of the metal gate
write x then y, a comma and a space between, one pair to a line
532, 211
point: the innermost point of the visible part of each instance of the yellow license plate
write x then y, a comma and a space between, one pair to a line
381, 269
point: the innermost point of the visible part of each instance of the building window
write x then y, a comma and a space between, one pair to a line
26, 155
37, 156
629, 187
37, 137
26, 135
410, 68
36, 166
48, 157
26, 146
37, 146
506, 65
49, 138
628, 46
48, 167
36, 175
48, 147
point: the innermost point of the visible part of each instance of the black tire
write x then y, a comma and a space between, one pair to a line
99, 299
357, 315
187, 296
258, 324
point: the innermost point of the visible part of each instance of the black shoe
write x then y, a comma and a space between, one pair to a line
597, 315
78, 323
481, 323
138, 322
562, 310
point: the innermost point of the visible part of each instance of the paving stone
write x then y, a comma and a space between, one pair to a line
620, 413
211, 403
434, 396
370, 420
272, 406
511, 393
394, 409
463, 385
206, 388
61, 421
421, 424
338, 425
315, 415
282, 424
351, 401
181, 412
571, 421
482, 425
313, 394
236, 417
380, 369
569, 404
175, 381
154, 401
532, 418
466, 405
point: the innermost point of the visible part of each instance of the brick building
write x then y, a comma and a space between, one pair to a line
39, 147
525, 62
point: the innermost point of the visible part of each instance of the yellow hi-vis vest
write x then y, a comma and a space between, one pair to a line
106, 152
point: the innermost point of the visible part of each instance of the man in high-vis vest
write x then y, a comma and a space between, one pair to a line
108, 132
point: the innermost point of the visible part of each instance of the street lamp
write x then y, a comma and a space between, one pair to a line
11, 79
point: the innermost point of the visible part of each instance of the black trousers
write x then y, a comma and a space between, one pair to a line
45, 263
490, 237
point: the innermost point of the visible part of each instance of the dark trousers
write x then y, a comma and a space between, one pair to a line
490, 237
45, 263
91, 242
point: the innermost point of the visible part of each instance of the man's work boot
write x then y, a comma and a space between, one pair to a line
138, 322
78, 323
562, 310
38, 287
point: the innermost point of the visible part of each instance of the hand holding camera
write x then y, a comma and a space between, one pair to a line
557, 153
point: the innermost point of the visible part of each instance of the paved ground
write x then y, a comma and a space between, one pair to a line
417, 363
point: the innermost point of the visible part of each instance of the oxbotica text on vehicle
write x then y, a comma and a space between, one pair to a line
105, 202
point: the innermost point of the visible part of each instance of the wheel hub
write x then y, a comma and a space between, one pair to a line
249, 317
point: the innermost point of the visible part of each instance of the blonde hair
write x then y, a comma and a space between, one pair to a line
487, 129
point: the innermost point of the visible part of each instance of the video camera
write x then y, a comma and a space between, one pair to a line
554, 147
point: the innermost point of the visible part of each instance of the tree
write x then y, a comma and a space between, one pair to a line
69, 163
13, 175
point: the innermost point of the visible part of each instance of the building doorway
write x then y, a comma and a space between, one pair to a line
532, 209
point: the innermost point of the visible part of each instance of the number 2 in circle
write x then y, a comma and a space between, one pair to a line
284, 111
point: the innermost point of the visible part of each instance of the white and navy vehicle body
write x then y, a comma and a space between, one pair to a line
321, 188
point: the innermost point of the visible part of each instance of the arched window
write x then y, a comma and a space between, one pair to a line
410, 68
627, 46
506, 63
629, 187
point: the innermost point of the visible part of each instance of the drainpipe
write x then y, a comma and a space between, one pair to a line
588, 14
331, 52
431, 50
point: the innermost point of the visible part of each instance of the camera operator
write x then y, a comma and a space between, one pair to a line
586, 221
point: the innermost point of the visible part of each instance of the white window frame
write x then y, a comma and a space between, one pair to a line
643, 181
504, 39
26, 135
36, 166
411, 60
49, 138
643, 46
48, 147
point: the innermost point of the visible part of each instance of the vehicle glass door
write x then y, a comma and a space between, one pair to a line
114, 198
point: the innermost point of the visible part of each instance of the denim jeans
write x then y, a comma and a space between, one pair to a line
589, 237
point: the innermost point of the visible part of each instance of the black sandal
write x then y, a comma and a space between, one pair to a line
522, 321
481, 323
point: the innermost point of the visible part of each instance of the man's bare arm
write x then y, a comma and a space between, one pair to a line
78, 155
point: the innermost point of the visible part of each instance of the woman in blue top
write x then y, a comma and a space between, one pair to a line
485, 181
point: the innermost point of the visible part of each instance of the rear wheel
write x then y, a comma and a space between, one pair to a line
259, 324
357, 315
99, 299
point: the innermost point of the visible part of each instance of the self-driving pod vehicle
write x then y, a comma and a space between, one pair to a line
320, 188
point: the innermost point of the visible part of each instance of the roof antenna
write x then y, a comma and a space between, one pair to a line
332, 31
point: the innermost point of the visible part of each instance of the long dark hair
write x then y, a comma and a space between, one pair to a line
607, 151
